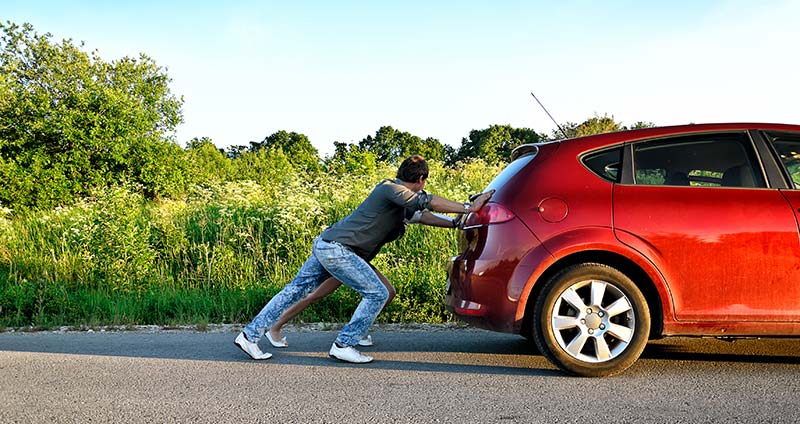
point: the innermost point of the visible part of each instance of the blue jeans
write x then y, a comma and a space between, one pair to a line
328, 259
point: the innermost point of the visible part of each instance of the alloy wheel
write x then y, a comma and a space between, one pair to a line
593, 321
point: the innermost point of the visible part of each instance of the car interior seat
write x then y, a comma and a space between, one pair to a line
677, 178
738, 176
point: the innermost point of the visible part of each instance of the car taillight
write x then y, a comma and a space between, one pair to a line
490, 213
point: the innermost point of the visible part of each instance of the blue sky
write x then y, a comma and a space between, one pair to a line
338, 70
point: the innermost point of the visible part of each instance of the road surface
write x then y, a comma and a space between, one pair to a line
437, 374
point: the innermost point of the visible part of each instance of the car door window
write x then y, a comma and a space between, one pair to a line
707, 160
788, 148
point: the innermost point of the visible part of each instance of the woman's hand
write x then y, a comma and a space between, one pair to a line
481, 200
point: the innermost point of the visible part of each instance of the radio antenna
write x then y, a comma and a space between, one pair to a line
548, 114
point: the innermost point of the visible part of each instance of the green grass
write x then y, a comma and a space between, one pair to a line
93, 307
215, 256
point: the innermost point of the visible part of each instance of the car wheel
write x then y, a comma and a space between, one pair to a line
591, 320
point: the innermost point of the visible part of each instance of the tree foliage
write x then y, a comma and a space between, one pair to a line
596, 125
494, 144
641, 124
391, 145
70, 122
296, 146
351, 159
266, 166
208, 163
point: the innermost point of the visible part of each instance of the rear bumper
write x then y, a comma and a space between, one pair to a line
463, 307
476, 293
478, 279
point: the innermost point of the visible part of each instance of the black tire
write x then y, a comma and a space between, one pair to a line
606, 336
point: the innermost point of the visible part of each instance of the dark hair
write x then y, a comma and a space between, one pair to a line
412, 169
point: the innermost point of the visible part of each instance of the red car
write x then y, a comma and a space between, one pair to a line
592, 246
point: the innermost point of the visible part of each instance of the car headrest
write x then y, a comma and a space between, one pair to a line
738, 176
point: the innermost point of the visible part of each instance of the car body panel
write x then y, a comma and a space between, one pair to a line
699, 237
593, 239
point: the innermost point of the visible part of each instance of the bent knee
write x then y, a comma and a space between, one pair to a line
384, 293
379, 293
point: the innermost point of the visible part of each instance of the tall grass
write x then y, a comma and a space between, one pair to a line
216, 255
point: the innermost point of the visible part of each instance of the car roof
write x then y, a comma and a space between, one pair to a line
630, 135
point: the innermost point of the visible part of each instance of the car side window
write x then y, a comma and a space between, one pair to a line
788, 148
606, 164
707, 160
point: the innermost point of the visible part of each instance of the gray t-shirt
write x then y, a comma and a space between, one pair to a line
379, 219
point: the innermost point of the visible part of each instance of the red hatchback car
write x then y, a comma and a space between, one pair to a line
592, 246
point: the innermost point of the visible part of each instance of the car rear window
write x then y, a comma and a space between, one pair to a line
509, 171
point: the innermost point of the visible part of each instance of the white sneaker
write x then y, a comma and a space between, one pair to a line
250, 348
366, 341
348, 354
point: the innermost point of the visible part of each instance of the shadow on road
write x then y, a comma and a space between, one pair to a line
720, 354
461, 351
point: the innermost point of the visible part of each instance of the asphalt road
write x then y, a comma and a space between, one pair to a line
420, 376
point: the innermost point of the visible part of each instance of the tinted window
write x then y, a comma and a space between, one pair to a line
714, 160
606, 164
788, 148
509, 171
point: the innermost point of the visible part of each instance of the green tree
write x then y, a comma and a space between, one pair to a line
640, 125
159, 166
350, 159
70, 122
269, 167
206, 161
234, 152
298, 149
391, 145
494, 144
596, 125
